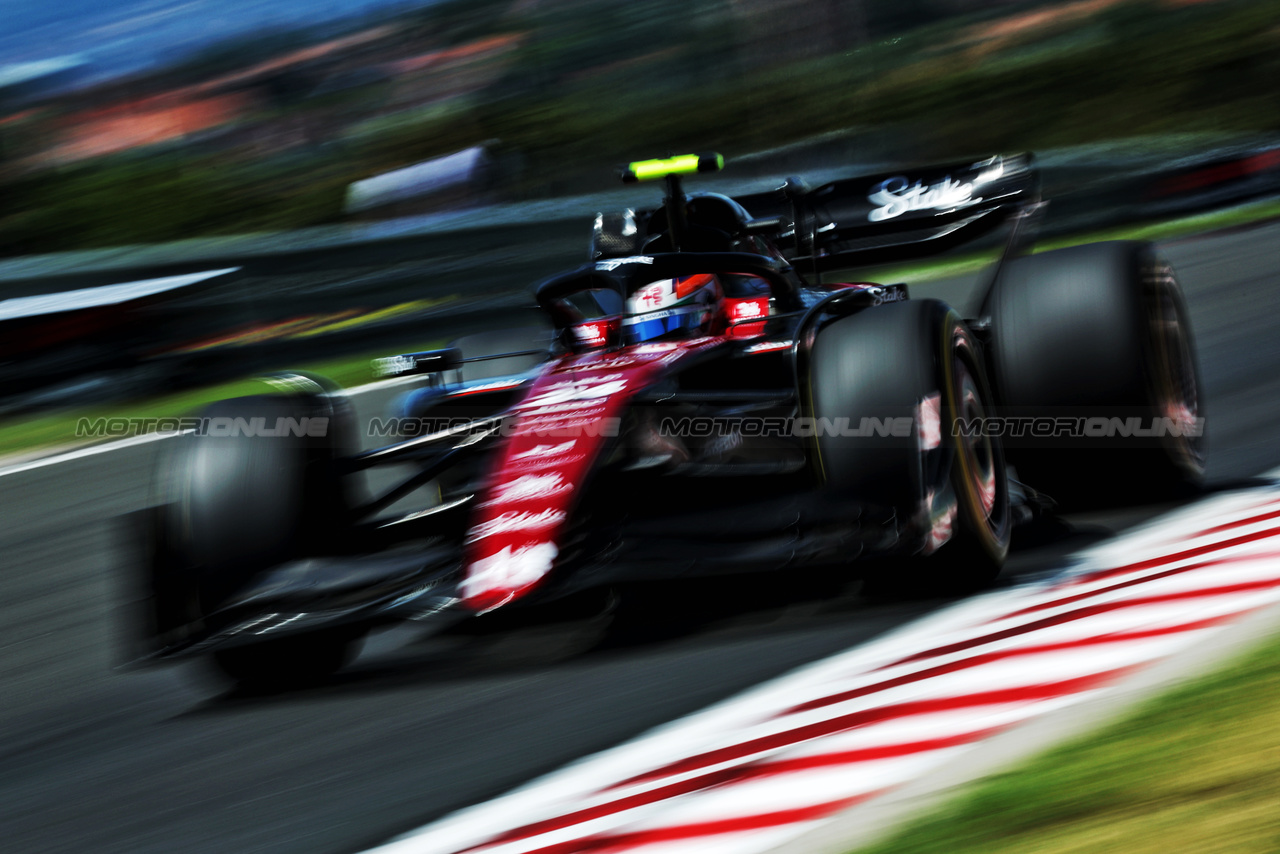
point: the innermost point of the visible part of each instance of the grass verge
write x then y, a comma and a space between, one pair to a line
1197, 769
1254, 212
58, 429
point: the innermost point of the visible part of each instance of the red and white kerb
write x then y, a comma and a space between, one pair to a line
757, 771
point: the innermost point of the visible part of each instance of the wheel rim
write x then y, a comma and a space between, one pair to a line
979, 477
980, 456
1177, 391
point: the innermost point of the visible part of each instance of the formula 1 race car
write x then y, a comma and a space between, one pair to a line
704, 404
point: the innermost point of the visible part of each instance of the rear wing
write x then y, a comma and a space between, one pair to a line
892, 216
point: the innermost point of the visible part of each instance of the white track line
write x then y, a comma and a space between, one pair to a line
39, 304
81, 453
132, 441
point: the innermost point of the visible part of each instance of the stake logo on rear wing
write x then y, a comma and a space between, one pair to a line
897, 196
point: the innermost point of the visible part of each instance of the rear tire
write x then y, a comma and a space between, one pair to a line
948, 493
1098, 331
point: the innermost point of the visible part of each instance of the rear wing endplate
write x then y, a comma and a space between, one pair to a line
898, 215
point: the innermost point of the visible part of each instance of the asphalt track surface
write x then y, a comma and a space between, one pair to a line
164, 760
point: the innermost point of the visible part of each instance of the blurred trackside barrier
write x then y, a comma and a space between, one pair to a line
452, 180
1103, 182
480, 260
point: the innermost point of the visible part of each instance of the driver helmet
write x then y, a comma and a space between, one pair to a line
673, 305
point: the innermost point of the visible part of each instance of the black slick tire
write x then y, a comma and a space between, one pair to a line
915, 363
1098, 334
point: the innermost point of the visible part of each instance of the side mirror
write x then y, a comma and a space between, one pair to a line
616, 235
425, 362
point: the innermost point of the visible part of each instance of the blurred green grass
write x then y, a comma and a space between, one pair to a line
1195, 770
27, 434
1171, 229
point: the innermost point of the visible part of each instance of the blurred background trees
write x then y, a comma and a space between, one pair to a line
267, 132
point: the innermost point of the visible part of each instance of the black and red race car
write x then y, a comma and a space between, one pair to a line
705, 403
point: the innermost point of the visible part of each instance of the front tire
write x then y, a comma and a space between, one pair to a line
918, 364
240, 504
